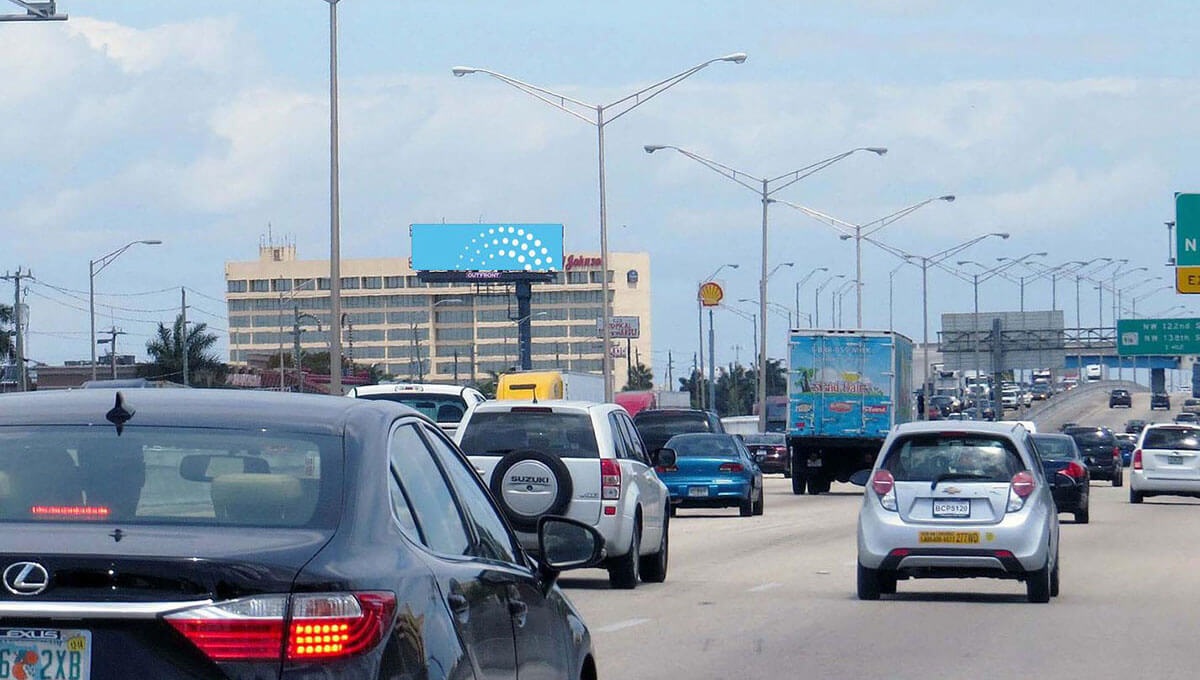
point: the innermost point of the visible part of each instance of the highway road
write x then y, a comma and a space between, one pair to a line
774, 597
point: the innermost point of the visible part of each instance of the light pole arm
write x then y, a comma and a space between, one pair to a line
558, 101
632, 101
841, 225
900, 214
797, 175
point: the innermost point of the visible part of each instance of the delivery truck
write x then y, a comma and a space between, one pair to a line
638, 400
846, 389
552, 384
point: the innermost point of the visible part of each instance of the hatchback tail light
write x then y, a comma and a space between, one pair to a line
1023, 484
731, 467
1137, 459
610, 479
1073, 470
884, 486
261, 628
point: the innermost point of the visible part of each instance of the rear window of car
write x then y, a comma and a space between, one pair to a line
443, 408
1091, 437
566, 435
656, 429
720, 445
973, 456
1120, 393
764, 439
1054, 448
1186, 439
152, 475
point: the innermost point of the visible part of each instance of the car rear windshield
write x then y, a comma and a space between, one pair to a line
151, 475
657, 429
946, 455
444, 408
1091, 437
566, 435
764, 439
1054, 448
716, 445
1186, 439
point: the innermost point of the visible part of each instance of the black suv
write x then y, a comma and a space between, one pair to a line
1160, 400
1120, 397
660, 424
1100, 452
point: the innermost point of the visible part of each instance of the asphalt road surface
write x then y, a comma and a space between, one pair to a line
774, 597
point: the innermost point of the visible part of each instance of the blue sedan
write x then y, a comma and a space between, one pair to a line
713, 470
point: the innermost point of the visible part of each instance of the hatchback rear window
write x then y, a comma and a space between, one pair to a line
1091, 437
716, 445
657, 429
169, 476
566, 435
928, 457
1054, 448
1186, 439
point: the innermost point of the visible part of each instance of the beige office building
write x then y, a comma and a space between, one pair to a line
435, 332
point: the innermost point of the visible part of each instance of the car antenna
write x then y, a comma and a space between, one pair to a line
119, 414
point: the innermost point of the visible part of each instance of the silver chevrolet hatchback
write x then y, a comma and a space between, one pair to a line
958, 499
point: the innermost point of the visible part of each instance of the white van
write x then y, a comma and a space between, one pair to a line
446, 404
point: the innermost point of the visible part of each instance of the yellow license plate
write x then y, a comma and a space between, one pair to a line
949, 537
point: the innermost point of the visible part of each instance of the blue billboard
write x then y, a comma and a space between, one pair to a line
487, 247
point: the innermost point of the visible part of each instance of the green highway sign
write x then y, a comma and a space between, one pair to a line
1158, 337
1187, 230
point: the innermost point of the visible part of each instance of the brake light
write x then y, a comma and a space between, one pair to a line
1022, 487
610, 479
1137, 459
780, 449
884, 486
71, 511
731, 467
1073, 470
322, 626
1117, 453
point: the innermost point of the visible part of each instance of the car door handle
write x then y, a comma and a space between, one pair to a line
518, 610
460, 605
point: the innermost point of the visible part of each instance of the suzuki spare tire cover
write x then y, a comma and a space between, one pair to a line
528, 484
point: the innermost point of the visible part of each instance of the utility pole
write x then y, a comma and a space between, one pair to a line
296, 343
18, 322
112, 348
183, 329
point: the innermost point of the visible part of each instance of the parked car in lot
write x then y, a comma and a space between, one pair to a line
232, 534
1065, 473
1166, 462
1120, 397
712, 471
578, 459
1100, 452
957, 500
658, 425
1160, 400
770, 451
1127, 443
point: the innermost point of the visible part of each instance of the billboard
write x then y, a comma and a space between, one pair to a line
622, 327
487, 247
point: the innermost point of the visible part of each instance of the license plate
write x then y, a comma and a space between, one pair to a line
814, 462
953, 508
1174, 460
694, 491
27, 653
948, 537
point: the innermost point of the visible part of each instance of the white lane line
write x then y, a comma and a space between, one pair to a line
620, 625
764, 587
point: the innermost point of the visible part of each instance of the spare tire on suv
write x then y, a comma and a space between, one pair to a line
528, 484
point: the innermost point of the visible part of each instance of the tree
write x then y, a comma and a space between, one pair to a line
166, 354
694, 385
640, 378
6, 343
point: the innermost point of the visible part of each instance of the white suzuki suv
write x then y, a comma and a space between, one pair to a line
576, 459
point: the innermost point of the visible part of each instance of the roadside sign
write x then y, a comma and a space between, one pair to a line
1187, 243
1187, 279
1158, 337
711, 294
622, 327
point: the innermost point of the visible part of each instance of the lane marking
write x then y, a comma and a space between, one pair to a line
764, 587
620, 625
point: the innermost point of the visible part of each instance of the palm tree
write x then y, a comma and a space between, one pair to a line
640, 378
166, 353
6, 318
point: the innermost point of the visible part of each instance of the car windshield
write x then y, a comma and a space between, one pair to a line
1186, 439
566, 435
1055, 448
656, 429
444, 408
160, 475
952, 455
764, 439
714, 445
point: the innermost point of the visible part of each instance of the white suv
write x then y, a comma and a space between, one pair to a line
577, 459
1166, 461
446, 404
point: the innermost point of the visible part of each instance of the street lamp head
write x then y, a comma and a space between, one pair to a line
787, 264
877, 150
949, 198
1001, 234
152, 242
732, 265
845, 237
460, 71
736, 57
651, 148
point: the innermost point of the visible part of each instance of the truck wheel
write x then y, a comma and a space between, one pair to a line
815, 485
797, 485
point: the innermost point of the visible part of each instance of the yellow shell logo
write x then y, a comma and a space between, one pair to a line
711, 294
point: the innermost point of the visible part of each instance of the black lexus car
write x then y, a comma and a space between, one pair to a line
223, 534
1100, 452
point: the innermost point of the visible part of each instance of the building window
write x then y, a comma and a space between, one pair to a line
454, 316
393, 282
407, 334
236, 286
350, 282
631, 277
444, 334
462, 351
323, 283
239, 306
595, 277
413, 282
577, 277
281, 285
260, 286
407, 317
372, 282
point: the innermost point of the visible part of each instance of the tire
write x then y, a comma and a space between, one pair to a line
887, 583
1135, 497
1054, 579
624, 572
868, 583
654, 567
1082, 516
1118, 477
674, 510
746, 507
760, 503
1037, 584
552, 500
797, 484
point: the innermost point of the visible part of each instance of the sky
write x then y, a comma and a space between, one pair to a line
205, 125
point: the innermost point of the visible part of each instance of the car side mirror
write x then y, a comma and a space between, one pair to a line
665, 457
860, 478
565, 544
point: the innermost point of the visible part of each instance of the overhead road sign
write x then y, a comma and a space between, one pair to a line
1158, 337
1187, 243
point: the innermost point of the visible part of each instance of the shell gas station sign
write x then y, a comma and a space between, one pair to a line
711, 294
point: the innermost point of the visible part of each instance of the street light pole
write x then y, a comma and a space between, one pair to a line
817, 298
95, 267
595, 115
799, 285
988, 273
763, 187
335, 245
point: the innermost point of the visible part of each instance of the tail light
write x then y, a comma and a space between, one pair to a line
1137, 459
610, 479
1023, 484
1116, 453
884, 486
731, 467
1073, 470
261, 628
780, 449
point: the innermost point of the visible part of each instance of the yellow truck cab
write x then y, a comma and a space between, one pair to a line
554, 384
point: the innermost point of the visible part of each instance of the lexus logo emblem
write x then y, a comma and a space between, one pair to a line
26, 578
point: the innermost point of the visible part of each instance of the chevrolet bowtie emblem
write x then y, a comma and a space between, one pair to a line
952, 489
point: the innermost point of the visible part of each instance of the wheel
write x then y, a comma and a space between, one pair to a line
887, 583
528, 484
1054, 579
625, 571
1037, 584
787, 473
746, 507
674, 509
762, 501
1135, 496
797, 484
1118, 477
868, 583
1082, 516
814, 485
654, 567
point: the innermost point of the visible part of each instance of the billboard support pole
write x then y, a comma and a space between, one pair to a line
524, 324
